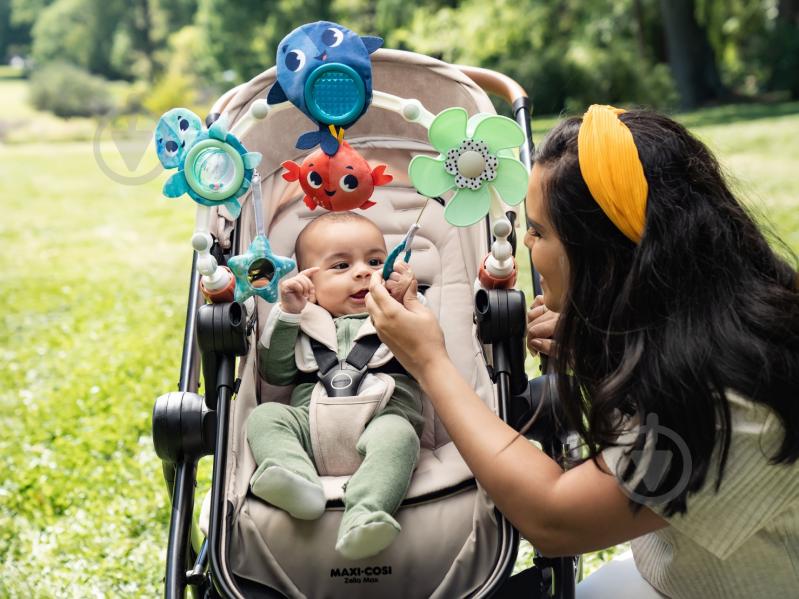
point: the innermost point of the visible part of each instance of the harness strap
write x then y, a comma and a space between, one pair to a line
330, 368
393, 366
359, 356
363, 350
325, 358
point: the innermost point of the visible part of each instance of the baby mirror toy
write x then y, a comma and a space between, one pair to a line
213, 166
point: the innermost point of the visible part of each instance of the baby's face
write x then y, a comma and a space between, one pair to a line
347, 253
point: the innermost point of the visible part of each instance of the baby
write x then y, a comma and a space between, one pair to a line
325, 305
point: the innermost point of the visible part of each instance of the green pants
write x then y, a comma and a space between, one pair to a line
279, 435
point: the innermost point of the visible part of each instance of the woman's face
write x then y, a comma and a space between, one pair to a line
549, 257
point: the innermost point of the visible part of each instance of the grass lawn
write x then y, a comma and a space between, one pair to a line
95, 282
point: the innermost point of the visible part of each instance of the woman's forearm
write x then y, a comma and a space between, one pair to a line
560, 513
516, 475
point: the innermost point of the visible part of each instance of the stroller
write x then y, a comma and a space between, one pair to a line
454, 543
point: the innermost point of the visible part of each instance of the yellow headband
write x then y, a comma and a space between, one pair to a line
612, 170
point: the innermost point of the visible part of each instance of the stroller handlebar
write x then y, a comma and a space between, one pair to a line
493, 82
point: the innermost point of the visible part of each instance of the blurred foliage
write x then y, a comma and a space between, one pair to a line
68, 91
757, 42
566, 56
567, 53
180, 83
77, 31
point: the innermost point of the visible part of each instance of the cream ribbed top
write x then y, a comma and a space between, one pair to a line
740, 542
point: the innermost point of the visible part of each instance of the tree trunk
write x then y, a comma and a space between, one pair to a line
788, 10
146, 40
691, 57
640, 38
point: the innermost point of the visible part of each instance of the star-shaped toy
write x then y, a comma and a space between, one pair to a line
258, 271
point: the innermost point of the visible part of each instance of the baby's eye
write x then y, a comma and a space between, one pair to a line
533, 232
376, 262
340, 266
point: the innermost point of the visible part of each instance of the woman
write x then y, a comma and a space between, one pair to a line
677, 356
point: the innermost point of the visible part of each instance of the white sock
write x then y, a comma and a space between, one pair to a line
367, 540
290, 492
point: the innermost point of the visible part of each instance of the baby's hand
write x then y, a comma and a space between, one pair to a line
399, 280
298, 291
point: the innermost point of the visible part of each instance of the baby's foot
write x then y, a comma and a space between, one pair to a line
369, 536
290, 492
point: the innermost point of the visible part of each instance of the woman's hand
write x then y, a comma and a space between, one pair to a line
297, 291
409, 329
541, 324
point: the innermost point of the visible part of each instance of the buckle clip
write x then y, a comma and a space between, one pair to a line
343, 380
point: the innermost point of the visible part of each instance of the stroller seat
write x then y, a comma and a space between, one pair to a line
453, 541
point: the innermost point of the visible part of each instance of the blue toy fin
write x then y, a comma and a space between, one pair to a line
372, 42
233, 207
276, 94
219, 129
309, 140
328, 142
176, 185
251, 159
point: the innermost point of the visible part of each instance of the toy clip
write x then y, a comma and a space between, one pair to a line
388, 267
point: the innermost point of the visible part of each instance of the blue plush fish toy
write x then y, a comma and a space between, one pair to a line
323, 68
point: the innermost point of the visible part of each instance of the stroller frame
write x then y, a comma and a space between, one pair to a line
188, 426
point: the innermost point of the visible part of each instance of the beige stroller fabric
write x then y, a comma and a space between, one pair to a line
452, 537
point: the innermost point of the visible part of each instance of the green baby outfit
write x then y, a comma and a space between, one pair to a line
280, 436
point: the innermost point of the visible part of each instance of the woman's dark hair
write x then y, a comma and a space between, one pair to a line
700, 307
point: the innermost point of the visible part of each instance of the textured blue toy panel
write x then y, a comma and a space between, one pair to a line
338, 96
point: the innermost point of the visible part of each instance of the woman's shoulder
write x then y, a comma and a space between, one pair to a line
749, 420
752, 492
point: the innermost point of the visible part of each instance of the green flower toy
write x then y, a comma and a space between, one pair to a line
475, 159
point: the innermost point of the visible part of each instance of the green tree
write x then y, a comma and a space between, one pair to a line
78, 31
567, 54
783, 53
244, 42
